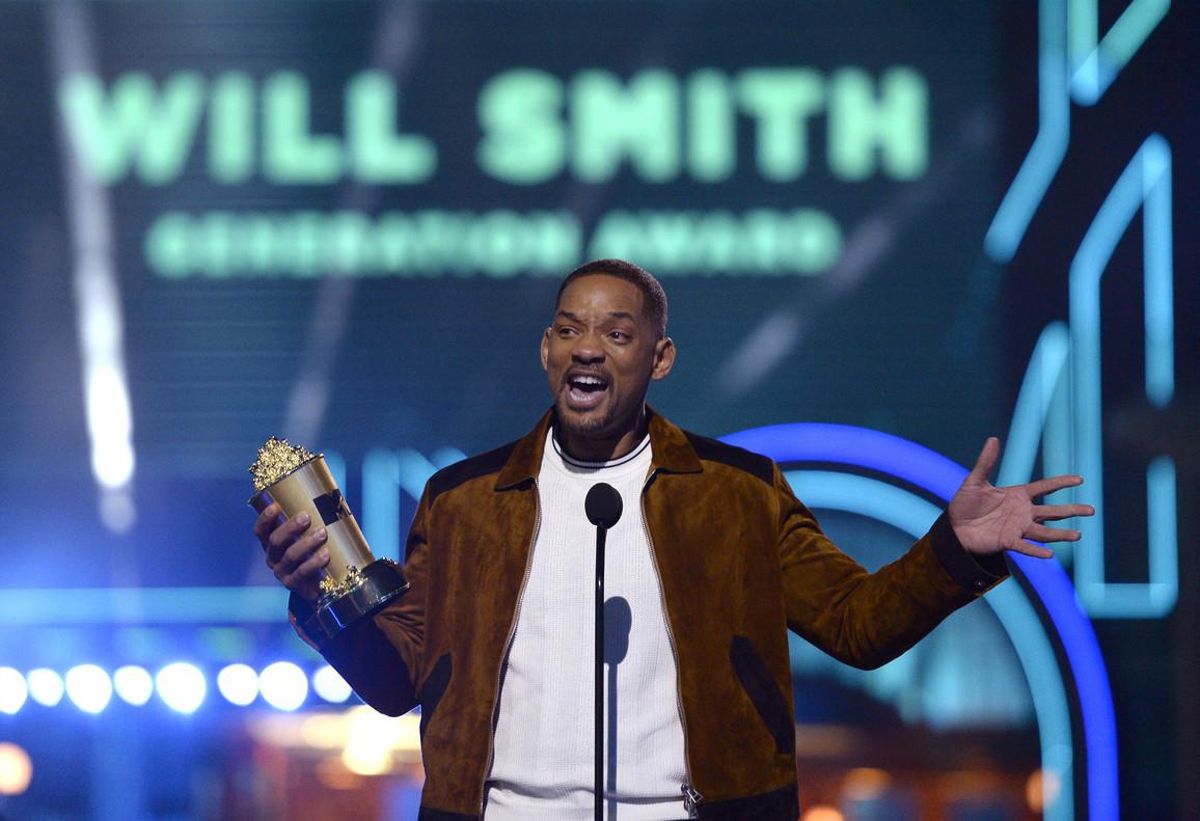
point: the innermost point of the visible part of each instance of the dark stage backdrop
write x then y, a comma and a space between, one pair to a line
345, 222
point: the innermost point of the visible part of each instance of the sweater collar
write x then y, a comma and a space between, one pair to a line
672, 452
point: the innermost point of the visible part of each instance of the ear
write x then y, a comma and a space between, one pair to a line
664, 358
545, 350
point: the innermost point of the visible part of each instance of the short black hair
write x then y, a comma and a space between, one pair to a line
652, 292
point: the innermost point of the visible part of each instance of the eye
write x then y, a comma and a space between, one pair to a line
618, 336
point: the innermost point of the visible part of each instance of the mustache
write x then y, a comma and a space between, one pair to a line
596, 373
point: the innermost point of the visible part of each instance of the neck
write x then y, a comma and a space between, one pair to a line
602, 448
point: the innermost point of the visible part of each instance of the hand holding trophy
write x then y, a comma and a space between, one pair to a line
354, 583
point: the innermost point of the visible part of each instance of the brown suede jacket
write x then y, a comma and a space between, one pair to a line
740, 560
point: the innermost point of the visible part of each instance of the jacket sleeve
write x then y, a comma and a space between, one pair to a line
380, 657
867, 619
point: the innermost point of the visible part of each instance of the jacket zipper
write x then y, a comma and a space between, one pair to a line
512, 631
691, 798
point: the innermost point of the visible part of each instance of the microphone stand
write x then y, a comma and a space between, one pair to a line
599, 724
603, 508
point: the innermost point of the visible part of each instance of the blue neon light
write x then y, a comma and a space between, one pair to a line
1057, 595
845, 444
143, 605
870, 498
1034, 402
385, 471
1145, 184
1096, 62
873, 450
1161, 516
914, 515
1049, 146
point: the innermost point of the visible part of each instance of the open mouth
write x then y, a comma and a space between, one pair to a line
585, 390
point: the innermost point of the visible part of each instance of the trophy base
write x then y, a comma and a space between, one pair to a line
373, 587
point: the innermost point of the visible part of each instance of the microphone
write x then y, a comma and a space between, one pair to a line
603, 505
603, 508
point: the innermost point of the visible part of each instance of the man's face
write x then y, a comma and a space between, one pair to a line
600, 353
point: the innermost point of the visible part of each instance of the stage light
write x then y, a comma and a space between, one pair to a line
284, 685
16, 770
1041, 790
181, 686
13, 690
866, 784
239, 684
324, 731
332, 773
330, 686
369, 739
45, 686
89, 688
822, 813
133, 684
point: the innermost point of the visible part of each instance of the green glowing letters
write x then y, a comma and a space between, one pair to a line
664, 127
149, 130
536, 127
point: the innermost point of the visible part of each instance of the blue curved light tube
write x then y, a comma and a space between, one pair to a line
914, 463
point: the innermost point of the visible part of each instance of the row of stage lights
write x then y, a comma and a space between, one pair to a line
181, 686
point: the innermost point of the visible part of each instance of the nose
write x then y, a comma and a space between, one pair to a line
587, 349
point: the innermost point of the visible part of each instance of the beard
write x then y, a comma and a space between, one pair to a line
589, 425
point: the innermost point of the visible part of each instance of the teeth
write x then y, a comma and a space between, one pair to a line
587, 380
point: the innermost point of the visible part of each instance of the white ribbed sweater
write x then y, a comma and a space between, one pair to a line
543, 765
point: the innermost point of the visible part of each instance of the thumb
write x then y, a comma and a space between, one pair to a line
984, 463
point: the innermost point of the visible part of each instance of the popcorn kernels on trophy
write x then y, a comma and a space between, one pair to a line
276, 459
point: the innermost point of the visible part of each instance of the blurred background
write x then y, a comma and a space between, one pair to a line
344, 222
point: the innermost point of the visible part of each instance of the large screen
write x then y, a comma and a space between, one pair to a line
893, 229
346, 222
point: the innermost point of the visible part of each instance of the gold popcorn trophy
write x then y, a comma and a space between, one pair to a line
354, 584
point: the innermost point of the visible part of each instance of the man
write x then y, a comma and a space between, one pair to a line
712, 561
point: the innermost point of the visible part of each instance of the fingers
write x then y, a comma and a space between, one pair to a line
282, 536
1051, 534
267, 521
302, 560
304, 567
297, 552
307, 579
985, 462
294, 555
1052, 513
1031, 549
1043, 487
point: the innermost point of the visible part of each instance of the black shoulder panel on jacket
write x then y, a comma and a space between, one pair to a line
454, 475
714, 451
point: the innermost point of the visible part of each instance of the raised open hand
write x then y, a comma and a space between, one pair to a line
988, 519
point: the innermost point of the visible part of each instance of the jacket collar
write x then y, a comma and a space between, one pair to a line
671, 451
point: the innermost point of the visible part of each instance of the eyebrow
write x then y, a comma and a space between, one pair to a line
611, 314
